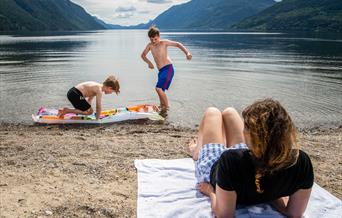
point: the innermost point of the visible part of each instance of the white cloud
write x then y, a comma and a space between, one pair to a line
125, 9
124, 15
127, 12
159, 1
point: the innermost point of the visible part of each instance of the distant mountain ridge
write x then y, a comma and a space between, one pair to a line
260, 15
45, 15
297, 15
116, 26
209, 14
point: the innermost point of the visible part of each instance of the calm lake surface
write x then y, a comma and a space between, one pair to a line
302, 71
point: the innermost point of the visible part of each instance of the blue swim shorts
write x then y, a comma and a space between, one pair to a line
165, 76
208, 155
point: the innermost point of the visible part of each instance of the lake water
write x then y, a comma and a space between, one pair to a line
302, 71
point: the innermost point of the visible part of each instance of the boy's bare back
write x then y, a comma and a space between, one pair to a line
90, 89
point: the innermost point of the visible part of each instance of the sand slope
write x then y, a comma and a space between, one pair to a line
88, 171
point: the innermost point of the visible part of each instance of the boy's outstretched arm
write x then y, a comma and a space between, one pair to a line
143, 56
180, 46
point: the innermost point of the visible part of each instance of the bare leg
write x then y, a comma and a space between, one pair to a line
233, 126
75, 111
210, 131
162, 98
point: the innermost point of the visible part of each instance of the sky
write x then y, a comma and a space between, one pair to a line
126, 12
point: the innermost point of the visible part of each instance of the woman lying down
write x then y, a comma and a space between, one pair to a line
251, 161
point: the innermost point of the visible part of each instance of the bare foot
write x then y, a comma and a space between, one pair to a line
61, 112
193, 148
163, 111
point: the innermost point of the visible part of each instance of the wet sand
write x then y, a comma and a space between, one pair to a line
88, 171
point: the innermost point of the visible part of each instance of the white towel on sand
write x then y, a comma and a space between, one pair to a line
166, 189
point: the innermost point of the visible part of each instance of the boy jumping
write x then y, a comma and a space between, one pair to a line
158, 49
82, 95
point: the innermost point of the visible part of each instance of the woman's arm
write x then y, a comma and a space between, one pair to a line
223, 203
280, 204
295, 205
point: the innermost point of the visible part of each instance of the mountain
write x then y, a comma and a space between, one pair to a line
297, 15
107, 25
115, 26
44, 15
209, 14
139, 26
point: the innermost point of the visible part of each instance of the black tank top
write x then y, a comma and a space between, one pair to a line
234, 171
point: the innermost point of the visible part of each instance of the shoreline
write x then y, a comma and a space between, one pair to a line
301, 127
87, 171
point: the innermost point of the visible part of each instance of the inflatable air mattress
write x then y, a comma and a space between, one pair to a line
144, 111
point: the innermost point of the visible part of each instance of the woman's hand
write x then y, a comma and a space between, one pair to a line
205, 188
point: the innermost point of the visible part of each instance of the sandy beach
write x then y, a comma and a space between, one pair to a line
88, 171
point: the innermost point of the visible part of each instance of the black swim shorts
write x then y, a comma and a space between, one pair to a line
77, 99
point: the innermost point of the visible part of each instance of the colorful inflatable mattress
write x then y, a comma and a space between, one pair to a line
144, 111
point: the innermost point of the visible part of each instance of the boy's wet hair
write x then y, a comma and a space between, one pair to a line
153, 31
113, 83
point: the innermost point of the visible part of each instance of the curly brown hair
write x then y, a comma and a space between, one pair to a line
113, 83
273, 135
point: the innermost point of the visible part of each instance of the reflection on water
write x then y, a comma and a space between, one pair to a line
302, 71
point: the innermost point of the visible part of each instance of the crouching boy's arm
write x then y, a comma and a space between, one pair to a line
90, 100
98, 105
